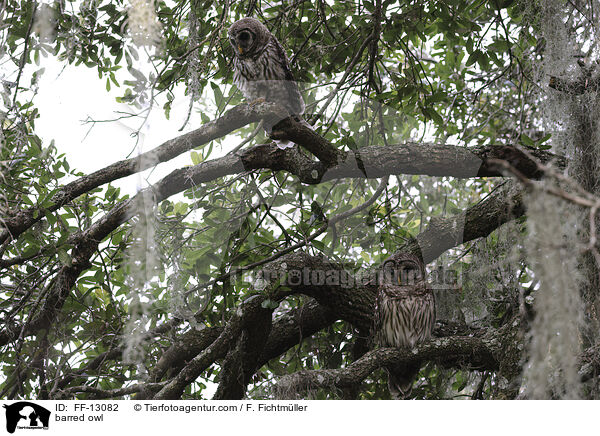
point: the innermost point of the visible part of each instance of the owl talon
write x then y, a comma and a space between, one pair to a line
257, 101
283, 143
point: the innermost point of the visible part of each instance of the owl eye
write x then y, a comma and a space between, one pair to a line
389, 273
245, 36
409, 274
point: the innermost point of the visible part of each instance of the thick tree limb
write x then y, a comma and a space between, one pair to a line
184, 349
352, 305
246, 311
411, 158
455, 351
287, 331
17, 222
292, 327
324, 150
575, 87
240, 364
476, 222
369, 162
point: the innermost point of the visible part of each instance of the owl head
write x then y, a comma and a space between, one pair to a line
248, 37
403, 269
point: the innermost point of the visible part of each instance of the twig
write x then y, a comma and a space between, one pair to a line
333, 220
24, 56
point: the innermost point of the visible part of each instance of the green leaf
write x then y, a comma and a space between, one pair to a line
64, 257
526, 140
269, 304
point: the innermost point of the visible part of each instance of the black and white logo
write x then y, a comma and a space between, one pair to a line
26, 415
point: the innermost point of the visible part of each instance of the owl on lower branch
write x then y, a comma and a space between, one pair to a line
262, 70
404, 315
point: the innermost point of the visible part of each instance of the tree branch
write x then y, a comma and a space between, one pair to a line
17, 222
368, 162
477, 221
455, 351
246, 310
287, 331
99, 394
241, 361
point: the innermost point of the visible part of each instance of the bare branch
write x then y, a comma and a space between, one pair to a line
198, 364
111, 393
455, 351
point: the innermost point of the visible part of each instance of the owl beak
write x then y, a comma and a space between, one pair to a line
241, 50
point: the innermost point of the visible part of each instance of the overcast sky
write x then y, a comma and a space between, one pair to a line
68, 96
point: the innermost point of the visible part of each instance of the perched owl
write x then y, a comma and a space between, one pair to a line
262, 71
404, 314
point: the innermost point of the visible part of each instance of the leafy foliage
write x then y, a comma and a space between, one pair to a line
374, 72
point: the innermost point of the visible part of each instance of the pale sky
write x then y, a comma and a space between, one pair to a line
67, 97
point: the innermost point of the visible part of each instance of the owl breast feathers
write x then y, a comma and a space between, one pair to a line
405, 315
261, 67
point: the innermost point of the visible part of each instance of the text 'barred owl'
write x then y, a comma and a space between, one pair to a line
404, 314
262, 71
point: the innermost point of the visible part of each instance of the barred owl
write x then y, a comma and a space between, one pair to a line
262, 71
404, 315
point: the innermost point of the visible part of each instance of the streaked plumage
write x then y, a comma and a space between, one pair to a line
261, 69
404, 314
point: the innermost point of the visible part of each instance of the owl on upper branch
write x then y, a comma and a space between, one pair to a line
262, 71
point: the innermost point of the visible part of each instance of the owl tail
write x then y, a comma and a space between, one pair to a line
283, 144
400, 381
